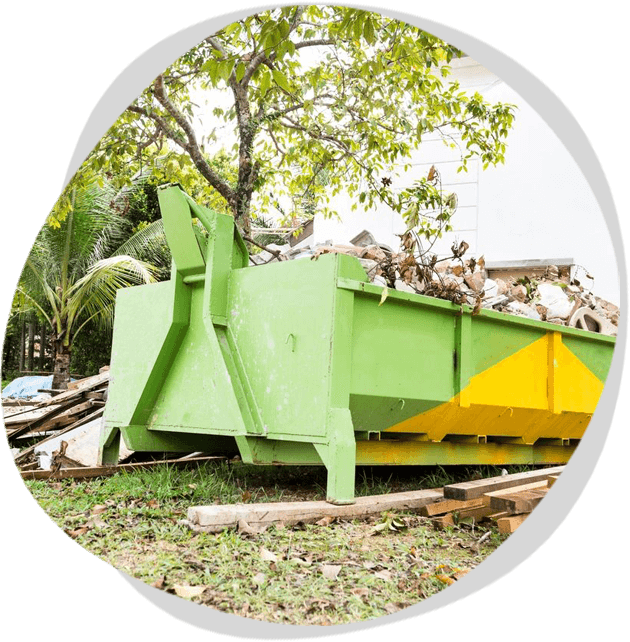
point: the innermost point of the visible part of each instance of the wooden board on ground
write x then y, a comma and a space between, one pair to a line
522, 502
517, 489
216, 517
507, 525
81, 386
450, 505
108, 471
477, 488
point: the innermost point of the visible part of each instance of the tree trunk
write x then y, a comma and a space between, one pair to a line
42, 346
31, 344
61, 371
22, 341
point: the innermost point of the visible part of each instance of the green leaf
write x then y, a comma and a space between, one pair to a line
368, 31
281, 80
225, 69
265, 82
240, 71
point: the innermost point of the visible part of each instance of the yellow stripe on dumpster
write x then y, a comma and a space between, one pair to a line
543, 390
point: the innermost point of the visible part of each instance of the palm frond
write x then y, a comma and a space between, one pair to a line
95, 293
148, 244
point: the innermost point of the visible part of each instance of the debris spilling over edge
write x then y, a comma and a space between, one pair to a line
554, 296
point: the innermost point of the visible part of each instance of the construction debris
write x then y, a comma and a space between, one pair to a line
57, 437
551, 294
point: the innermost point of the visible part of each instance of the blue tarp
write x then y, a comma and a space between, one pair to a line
26, 387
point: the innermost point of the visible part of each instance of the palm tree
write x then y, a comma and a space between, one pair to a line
74, 269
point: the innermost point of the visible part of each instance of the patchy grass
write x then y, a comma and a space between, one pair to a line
321, 574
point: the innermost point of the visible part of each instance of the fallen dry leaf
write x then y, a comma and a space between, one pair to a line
361, 591
268, 556
152, 503
325, 521
159, 583
330, 571
96, 522
79, 531
259, 579
461, 573
383, 575
188, 591
247, 529
445, 579
99, 508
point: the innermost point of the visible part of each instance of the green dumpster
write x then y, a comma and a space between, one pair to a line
298, 362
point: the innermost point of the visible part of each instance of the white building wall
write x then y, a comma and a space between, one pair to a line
536, 206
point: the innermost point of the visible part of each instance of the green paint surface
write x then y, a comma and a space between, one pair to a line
595, 356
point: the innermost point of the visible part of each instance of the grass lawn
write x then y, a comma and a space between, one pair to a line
317, 574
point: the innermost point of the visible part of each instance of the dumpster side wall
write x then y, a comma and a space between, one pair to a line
281, 319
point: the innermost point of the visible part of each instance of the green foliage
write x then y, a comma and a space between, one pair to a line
76, 265
91, 350
311, 91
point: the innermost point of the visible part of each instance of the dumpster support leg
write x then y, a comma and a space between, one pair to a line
339, 456
109, 449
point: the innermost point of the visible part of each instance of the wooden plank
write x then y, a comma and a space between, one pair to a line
518, 489
216, 518
28, 451
499, 515
64, 419
552, 480
85, 472
478, 513
40, 421
523, 502
449, 505
443, 521
507, 525
82, 386
89, 381
477, 488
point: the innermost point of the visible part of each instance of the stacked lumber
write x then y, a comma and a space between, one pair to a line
505, 500
56, 424
34, 424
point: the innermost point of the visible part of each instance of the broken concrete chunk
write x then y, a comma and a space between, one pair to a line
555, 300
475, 281
373, 252
401, 286
495, 301
490, 289
518, 293
370, 267
517, 307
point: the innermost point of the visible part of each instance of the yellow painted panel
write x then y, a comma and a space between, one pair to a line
519, 381
578, 389
512, 398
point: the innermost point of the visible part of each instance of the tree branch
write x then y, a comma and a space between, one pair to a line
189, 145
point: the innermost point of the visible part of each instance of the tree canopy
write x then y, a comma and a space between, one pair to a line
319, 99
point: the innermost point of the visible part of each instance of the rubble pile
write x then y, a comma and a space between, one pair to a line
554, 296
